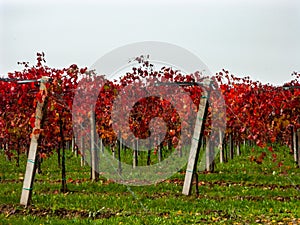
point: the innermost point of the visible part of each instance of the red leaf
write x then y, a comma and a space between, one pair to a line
32, 121
39, 96
43, 155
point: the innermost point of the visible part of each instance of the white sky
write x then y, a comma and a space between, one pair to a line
256, 38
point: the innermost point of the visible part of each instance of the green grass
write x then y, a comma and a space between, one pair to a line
238, 192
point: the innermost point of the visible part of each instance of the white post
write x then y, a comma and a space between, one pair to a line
94, 149
196, 143
30, 167
221, 147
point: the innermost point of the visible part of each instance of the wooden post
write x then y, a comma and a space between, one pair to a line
221, 147
101, 145
30, 167
298, 146
159, 153
8, 158
135, 153
72, 144
119, 153
113, 152
294, 143
74, 148
94, 155
209, 156
82, 160
238, 149
196, 143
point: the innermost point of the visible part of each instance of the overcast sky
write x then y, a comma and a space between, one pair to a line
255, 38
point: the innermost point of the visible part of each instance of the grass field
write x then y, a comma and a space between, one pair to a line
238, 192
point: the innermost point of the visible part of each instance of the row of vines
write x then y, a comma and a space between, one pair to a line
255, 112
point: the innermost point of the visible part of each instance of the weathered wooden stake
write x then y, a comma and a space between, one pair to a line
72, 145
8, 158
74, 148
114, 152
30, 167
221, 147
238, 149
119, 153
135, 153
209, 156
294, 143
196, 143
82, 151
94, 149
67, 145
159, 152
298, 146
101, 145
